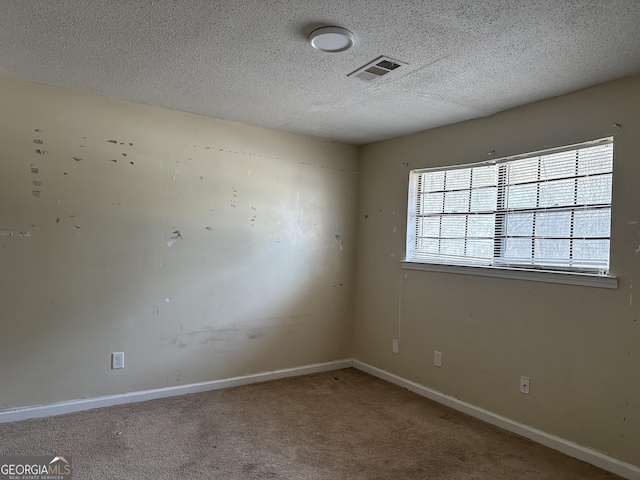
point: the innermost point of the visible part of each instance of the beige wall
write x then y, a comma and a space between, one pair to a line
579, 345
269, 286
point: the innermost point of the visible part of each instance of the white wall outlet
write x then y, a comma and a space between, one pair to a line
395, 346
524, 385
437, 359
117, 360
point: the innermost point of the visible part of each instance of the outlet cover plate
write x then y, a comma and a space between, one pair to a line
117, 360
524, 385
437, 359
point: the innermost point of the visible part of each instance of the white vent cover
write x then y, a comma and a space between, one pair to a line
380, 67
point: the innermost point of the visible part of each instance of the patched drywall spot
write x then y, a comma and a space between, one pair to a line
395, 229
339, 239
41, 152
14, 233
634, 222
175, 236
77, 159
208, 228
35, 170
37, 183
37, 141
638, 249
35, 193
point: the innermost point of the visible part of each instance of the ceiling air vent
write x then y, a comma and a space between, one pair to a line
380, 67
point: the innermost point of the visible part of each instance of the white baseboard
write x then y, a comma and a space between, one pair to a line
141, 396
594, 457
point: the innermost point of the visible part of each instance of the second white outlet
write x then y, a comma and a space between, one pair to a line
395, 346
117, 360
437, 359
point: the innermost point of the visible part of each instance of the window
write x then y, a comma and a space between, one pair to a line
547, 210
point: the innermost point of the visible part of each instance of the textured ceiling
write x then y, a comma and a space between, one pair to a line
250, 61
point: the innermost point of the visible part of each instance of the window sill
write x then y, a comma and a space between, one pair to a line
566, 278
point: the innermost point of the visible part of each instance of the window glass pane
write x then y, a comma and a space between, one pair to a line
522, 196
519, 225
520, 171
453, 227
591, 250
456, 201
484, 199
592, 223
557, 193
558, 165
549, 252
429, 227
594, 190
432, 181
481, 226
429, 246
432, 203
486, 176
458, 178
517, 249
598, 159
553, 224
454, 248
480, 249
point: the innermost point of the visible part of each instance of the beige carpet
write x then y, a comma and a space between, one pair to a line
337, 425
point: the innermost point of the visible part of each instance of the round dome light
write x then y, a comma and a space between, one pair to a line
331, 39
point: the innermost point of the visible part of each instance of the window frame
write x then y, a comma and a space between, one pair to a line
546, 273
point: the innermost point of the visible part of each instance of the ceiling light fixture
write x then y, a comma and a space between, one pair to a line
331, 39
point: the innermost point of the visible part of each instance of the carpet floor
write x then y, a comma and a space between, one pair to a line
343, 424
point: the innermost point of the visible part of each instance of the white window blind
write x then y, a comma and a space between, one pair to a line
548, 210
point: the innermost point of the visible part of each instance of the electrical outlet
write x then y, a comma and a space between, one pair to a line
117, 360
395, 346
524, 385
437, 359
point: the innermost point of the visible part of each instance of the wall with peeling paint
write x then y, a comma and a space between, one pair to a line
579, 345
203, 249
